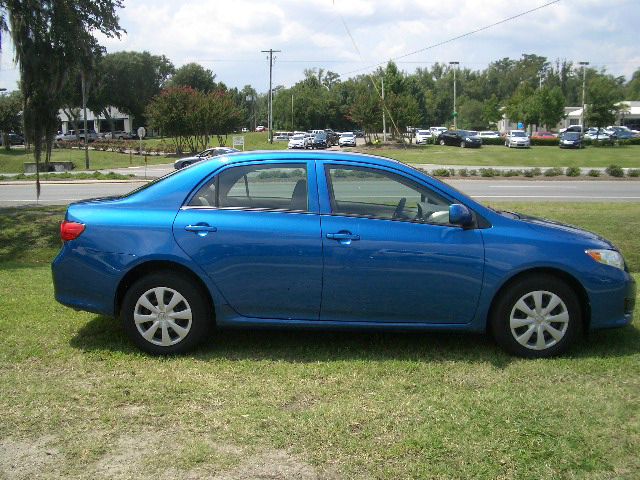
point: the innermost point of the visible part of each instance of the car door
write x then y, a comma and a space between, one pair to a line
255, 230
390, 254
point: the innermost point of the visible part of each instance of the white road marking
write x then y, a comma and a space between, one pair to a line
531, 186
591, 197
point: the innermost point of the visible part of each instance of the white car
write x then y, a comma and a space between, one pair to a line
597, 134
423, 136
517, 139
437, 131
489, 134
298, 141
347, 139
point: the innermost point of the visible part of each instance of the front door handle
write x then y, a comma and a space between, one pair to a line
202, 229
343, 236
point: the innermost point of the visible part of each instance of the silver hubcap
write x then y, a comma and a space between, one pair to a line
162, 316
539, 320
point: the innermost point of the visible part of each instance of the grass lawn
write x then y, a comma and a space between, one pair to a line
493, 155
79, 401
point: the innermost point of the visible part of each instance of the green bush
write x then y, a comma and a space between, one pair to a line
473, 172
511, 173
463, 172
489, 172
493, 141
545, 142
614, 171
594, 173
553, 172
634, 172
532, 172
572, 172
630, 141
441, 172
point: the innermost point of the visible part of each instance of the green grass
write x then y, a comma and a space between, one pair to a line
79, 401
492, 155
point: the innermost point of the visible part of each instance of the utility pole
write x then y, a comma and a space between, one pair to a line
384, 118
84, 108
271, 51
455, 112
584, 82
292, 128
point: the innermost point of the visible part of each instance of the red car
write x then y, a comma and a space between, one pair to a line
543, 135
260, 128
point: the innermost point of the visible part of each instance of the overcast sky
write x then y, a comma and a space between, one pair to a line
347, 36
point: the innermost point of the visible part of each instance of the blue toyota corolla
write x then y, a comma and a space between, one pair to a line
332, 240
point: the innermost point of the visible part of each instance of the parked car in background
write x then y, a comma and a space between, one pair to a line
571, 140
423, 137
13, 139
517, 139
572, 128
205, 154
260, 128
598, 135
437, 131
244, 130
329, 240
319, 140
621, 128
117, 135
489, 134
359, 133
282, 136
460, 138
347, 139
299, 140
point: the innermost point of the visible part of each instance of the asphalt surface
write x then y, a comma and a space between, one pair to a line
482, 190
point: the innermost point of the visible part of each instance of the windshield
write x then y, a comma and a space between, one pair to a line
297, 137
518, 134
423, 132
347, 135
571, 135
468, 133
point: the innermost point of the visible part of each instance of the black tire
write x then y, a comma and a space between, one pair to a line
505, 306
463, 144
442, 142
197, 327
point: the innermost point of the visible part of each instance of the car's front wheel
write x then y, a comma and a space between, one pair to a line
166, 313
442, 142
463, 144
538, 316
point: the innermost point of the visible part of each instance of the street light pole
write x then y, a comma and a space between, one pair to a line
384, 117
271, 52
584, 83
455, 112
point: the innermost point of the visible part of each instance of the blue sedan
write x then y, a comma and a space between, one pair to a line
332, 240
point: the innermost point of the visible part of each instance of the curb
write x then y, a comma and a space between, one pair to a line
73, 182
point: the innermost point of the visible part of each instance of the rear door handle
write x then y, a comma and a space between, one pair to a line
201, 229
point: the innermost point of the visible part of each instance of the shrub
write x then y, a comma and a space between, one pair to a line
594, 173
572, 172
630, 141
553, 172
489, 172
463, 172
493, 141
511, 173
441, 172
473, 172
634, 172
614, 171
545, 142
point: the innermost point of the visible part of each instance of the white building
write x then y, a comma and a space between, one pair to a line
629, 116
99, 123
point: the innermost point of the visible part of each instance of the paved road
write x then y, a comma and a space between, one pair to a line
482, 190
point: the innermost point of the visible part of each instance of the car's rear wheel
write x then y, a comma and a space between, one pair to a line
166, 313
538, 316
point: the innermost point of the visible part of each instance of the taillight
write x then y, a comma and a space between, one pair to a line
70, 230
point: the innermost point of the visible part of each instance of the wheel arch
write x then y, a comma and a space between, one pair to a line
570, 280
153, 266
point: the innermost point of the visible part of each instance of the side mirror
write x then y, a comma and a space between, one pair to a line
460, 215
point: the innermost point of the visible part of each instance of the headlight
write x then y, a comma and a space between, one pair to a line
467, 139
608, 257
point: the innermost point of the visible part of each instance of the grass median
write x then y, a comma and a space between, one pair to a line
79, 401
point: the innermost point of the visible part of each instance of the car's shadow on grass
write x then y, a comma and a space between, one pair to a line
106, 334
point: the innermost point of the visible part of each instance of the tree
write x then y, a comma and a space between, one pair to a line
10, 118
128, 81
51, 37
550, 106
633, 87
471, 113
603, 95
195, 76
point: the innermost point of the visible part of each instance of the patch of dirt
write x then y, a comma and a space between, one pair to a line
272, 465
22, 459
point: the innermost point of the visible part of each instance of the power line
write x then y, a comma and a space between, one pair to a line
458, 37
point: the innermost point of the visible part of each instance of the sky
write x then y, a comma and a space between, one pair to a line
353, 36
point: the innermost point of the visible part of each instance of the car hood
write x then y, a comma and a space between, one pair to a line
571, 231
